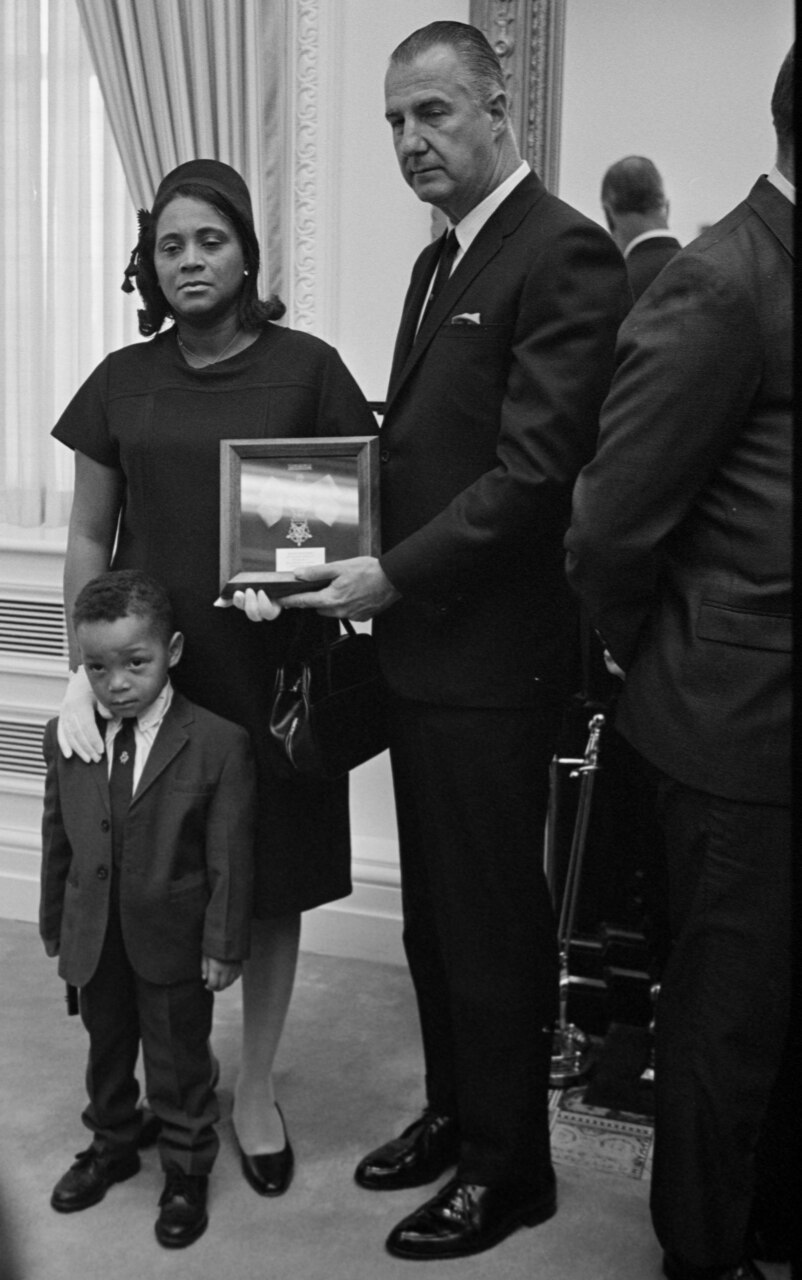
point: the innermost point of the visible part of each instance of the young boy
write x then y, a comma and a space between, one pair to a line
146, 897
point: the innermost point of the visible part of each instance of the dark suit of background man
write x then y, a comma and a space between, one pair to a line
681, 549
636, 210
630, 888
492, 409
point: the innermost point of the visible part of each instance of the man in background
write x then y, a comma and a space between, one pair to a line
636, 210
503, 358
680, 548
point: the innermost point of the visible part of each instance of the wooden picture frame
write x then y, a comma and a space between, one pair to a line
289, 503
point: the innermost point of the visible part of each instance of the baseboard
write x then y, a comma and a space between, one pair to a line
364, 926
20, 857
19, 898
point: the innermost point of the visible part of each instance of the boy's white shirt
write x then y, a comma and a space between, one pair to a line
145, 729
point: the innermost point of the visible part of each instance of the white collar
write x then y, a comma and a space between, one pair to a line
657, 233
468, 228
151, 717
782, 184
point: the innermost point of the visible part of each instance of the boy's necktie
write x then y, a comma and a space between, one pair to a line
121, 782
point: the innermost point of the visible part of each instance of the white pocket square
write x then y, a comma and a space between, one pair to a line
467, 317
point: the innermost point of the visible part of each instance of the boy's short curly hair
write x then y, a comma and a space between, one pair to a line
119, 592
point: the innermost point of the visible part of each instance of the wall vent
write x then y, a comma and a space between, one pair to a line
21, 748
34, 628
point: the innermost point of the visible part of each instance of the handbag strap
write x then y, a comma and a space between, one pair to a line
298, 642
329, 640
350, 630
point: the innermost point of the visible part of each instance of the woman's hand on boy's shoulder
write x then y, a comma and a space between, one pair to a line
77, 731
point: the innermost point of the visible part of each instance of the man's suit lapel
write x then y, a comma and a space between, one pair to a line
170, 739
412, 309
503, 223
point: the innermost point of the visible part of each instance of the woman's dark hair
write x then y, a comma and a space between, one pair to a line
253, 312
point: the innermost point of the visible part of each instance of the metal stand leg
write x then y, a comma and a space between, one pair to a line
571, 1048
647, 1075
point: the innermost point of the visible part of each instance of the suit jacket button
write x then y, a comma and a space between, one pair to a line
385, 455
105, 825
102, 873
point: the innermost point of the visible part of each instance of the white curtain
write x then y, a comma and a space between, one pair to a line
185, 79
66, 228
178, 79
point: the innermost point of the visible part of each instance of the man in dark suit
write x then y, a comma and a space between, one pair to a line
491, 411
680, 547
624, 841
636, 210
147, 868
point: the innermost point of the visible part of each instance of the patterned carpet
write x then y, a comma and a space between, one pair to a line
599, 1138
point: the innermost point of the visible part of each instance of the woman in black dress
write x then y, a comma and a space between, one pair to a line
146, 427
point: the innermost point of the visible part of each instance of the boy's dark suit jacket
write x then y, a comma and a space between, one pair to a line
681, 541
187, 867
490, 414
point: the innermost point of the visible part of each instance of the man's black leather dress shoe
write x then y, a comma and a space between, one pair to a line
87, 1181
182, 1209
270, 1174
463, 1219
677, 1269
424, 1150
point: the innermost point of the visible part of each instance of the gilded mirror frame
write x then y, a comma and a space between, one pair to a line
529, 37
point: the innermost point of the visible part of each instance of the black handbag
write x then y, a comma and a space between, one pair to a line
329, 707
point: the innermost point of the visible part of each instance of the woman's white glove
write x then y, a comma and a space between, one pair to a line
256, 605
77, 730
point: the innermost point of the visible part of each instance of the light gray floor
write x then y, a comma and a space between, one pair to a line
349, 1077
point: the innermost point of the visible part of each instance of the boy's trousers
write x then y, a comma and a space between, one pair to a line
174, 1023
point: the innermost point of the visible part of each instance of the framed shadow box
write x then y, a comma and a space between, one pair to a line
287, 504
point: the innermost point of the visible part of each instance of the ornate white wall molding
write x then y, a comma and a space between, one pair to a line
528, 36
313, 35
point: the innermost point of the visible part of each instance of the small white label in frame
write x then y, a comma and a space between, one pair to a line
288, 559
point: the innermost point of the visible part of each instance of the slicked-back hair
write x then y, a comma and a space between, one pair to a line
782, 103
121, 592
633, 185
253, 313
476, 54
